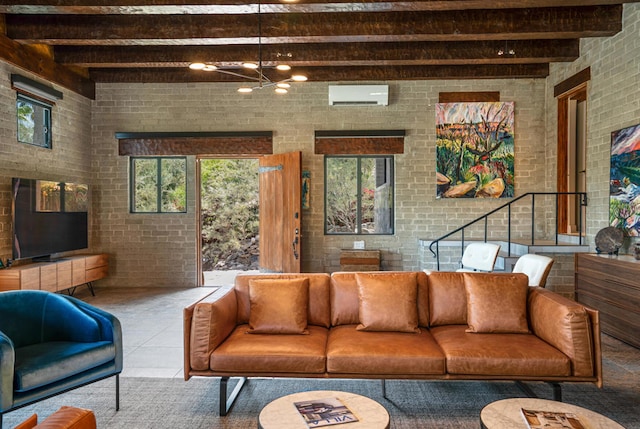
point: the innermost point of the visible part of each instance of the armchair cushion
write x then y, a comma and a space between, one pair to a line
45, 363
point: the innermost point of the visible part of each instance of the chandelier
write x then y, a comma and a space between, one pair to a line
259, 80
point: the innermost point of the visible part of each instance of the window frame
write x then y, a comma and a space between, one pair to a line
47, 109
390, 176
159, 187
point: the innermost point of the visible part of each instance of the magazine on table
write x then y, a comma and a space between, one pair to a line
551, 419
324, 412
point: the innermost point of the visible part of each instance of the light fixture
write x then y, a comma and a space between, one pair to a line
35, 88
261, 81
506, 50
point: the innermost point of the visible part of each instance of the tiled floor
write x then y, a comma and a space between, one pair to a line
151, 320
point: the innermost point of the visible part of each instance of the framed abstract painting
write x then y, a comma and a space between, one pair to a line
624, 183
475, 150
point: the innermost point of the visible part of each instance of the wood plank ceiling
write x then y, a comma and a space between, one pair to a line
77, 43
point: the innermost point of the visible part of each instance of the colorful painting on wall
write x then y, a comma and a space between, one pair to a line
624, 185
475, 150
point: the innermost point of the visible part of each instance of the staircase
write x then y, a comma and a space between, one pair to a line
532, 217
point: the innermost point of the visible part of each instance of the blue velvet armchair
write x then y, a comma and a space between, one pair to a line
52, 343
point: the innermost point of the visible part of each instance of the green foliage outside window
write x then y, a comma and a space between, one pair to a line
229, 208
159, 185
34, 122
359, 195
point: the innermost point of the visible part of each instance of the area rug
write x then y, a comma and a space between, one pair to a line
156, 403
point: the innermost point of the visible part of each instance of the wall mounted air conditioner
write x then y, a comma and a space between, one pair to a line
358, 95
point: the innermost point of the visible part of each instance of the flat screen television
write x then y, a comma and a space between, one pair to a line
48, 218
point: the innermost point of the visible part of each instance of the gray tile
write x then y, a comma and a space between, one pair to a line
151, 320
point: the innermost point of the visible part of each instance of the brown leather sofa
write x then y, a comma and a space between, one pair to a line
391, 325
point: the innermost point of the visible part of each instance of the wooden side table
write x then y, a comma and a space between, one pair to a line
359, 260
506, 414
282, 413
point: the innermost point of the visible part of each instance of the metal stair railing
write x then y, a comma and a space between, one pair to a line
485, 217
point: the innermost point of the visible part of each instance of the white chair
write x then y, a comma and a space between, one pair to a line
479, 257
537, 267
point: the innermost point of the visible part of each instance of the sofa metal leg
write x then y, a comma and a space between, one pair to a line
557, 391
526, 389
117, 392
384, 388
227, 403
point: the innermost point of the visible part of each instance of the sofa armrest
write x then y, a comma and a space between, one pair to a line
207, 323
570, 327
7, 364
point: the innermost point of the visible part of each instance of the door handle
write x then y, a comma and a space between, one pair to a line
295, 248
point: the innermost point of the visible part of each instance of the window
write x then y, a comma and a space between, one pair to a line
34, 121
359, 195
159, 185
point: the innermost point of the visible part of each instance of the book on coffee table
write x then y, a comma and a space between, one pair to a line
324, 412
537, 419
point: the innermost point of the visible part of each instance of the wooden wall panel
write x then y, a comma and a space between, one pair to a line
468, 97
359, 145
156, 146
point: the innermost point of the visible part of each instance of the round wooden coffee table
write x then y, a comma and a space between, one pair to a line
506, 414
282, 414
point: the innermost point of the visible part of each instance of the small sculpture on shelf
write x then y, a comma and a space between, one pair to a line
636, 251
609, 240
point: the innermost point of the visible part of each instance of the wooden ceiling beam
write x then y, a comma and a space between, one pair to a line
502, 24
327, 74
33, 60
337, 54
205, 7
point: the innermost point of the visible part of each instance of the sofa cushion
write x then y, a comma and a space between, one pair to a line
499, 355
388, 302
350, 351
278, 306
496, 302
447, 298
264, 354
318, 308
46, 363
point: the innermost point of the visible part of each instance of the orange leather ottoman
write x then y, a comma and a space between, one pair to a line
64, 418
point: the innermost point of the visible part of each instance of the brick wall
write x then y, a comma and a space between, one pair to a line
69, 159
161, 249
612, 103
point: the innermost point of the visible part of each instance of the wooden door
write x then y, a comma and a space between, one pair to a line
280, 212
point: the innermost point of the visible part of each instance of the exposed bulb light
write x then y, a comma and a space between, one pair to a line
202, 66
251, 66
284, 85
299, 78
283, 67
245, 90
280, 90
